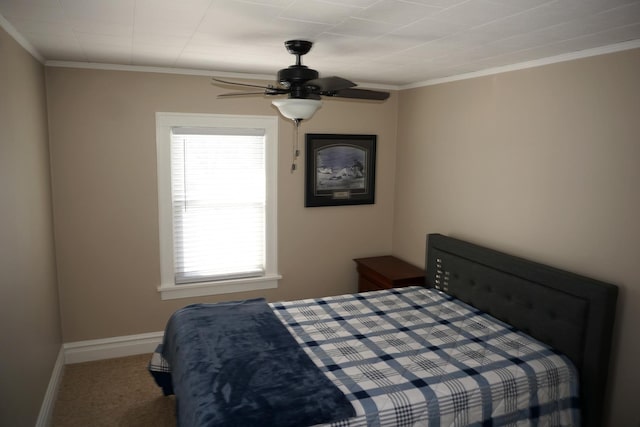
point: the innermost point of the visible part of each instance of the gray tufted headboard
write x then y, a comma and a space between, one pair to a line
573, 314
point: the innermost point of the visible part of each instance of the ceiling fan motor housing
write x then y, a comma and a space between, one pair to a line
295, 78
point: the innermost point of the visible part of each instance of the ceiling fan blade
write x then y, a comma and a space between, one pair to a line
330, 84
233, 94
215, 80
359, 94
271, 90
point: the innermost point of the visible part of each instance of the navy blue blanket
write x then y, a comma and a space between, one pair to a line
236, 364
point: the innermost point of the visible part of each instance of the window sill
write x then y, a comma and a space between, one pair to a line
221, 287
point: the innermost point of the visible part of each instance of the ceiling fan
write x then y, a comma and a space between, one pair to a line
304, 87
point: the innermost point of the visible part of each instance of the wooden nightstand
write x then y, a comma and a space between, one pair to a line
386, 272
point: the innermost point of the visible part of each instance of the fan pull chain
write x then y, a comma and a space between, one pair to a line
294, 146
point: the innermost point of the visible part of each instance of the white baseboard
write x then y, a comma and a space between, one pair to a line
50, 396
108, 348
85, 351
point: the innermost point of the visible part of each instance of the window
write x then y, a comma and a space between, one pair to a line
217, 203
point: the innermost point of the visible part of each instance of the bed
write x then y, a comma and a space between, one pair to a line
490, 339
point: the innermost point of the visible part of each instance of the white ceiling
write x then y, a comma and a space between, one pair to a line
388, 42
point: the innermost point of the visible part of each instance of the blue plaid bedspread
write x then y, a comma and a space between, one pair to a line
417, 357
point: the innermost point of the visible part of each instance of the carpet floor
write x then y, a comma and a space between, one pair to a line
114, 392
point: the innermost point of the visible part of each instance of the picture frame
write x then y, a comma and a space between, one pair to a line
340, 169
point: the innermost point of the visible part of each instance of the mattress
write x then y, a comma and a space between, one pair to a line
418, 357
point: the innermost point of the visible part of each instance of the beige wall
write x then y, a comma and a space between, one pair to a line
102, 131
542, 163
30, 332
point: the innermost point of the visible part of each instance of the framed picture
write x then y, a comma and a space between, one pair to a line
340, 169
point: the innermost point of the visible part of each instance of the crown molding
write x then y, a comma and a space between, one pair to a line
185, 71
161, 70
587, 53
6, 25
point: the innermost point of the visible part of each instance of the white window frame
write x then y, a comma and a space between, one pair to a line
164, 122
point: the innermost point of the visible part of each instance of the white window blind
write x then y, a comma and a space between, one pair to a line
218, 189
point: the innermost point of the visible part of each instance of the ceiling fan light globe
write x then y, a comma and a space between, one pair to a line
297, 109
